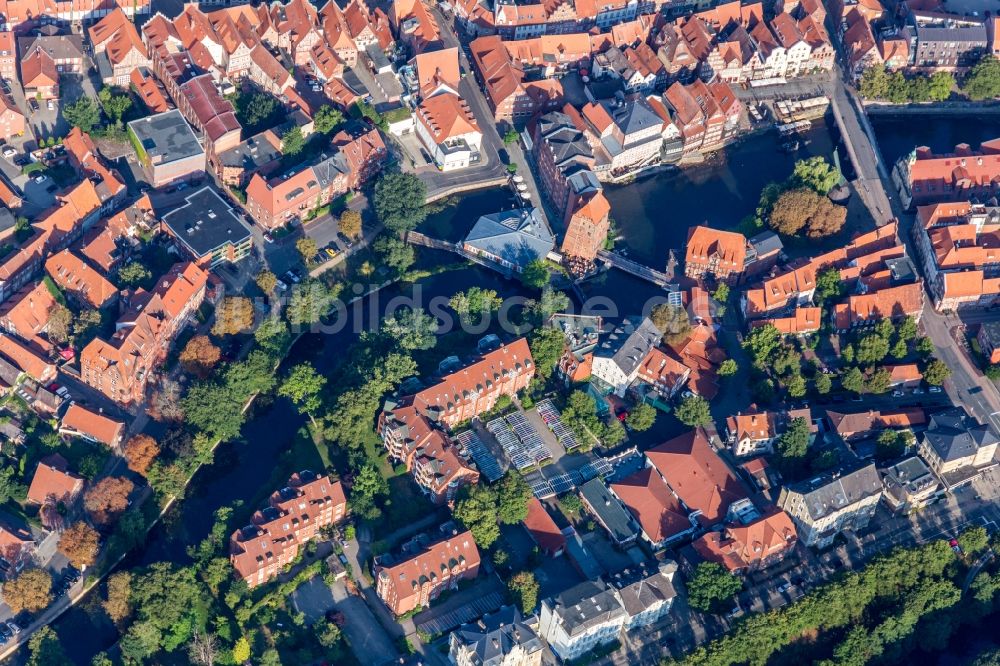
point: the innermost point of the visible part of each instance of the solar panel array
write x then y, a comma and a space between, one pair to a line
520, 441
541, 488
487, 464
597, 467
552, 419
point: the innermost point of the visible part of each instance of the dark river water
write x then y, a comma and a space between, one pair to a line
653, 214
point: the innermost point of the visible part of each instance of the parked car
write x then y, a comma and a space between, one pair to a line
33, 104
50, 106
955, 546
348, 243
293, 277
281, 286
268, 237
9, 152
6, 632
935, 389
14, 629
331, 251
40, 178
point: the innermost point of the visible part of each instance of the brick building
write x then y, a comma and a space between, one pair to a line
295, 514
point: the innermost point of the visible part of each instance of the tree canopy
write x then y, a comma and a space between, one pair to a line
802, 209
711, 586
399, 201
693, 411
983, 80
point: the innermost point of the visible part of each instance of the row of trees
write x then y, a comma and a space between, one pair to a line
981, 83
902, 601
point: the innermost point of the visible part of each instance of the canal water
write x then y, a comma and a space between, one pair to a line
898, 136
653, 213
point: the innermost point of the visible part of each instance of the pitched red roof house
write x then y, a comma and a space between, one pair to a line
715, 252
295, 514
697, 475
27, 360
54, 482
757, 545
81, 422
650, 500
543, 530
79, 280
418, 580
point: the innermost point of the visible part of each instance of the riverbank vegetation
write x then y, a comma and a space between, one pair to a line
981, 82
799, 206
901, 603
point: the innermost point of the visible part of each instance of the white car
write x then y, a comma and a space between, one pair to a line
935, 389
9, 152
40, 178
50, 105
281, 286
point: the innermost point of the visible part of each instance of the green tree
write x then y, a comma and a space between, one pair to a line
711, 586
817, 174
828, 285
974, 540
878, 381
642, 417
134, 274
116, 106
257, 110
853, 380
899, 350
871, 349
907, 329
309, 302
762, 343
510, 136
369, 486
693, 411
728, 368
546, 345
535, 274
513, 494
395, 254
889, 445
272, 334
941, 85
475, 302
215, 409
549, 303
399, 201
936, 372
412, 329
874, 83
524, 588
983, 80
792, 447
303, 386
924, 346
241, 651
721, 293
476, 508
292, 141
82, 113
10, 487
46, 650
822, 383
796, 386
327, 119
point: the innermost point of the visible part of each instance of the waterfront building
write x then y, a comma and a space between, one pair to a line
511, 238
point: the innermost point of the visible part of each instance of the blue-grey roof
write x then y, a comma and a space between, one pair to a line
629, 343
585, 606
517, 236
832, 491
206, 222
495, 636
609, 510
953, 435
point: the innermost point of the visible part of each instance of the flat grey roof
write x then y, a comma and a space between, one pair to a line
206, 222
166, 135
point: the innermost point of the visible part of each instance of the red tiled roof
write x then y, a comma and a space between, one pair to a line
405, 579
704, 243
26, 359
97, 426
72, 274
53, 480
542, 528
446, 116
741, 546
697, 475
649, 499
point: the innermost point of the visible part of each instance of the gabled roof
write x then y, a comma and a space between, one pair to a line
446, 116
705, 243
652, 503
697, 475
436, 69
542, 528
26, 359
74, 275
53, 480
518, 236
91, 424
953, 435
741, 546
